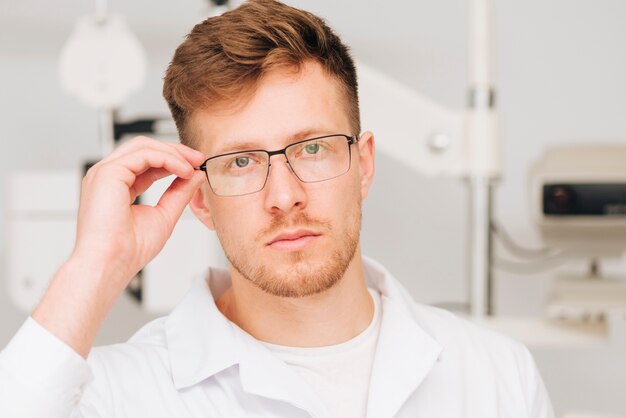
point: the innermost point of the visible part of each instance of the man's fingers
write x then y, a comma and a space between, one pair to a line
193, 156
138, 163
142, 142
145, 180
142, 161
177, 196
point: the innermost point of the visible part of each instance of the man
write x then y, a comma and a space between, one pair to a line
265, 99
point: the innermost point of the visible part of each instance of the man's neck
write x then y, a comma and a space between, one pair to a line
331, 317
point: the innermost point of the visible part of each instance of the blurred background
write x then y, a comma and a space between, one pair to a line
560, 79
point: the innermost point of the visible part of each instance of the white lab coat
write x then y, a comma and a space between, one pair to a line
195, 363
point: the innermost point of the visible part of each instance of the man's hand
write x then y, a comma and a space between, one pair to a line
113, 231
115, 238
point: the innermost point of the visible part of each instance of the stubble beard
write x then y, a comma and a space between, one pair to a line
307, 274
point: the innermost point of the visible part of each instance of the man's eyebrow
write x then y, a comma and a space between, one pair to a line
235, 145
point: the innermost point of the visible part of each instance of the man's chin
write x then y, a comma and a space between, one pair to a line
295, 274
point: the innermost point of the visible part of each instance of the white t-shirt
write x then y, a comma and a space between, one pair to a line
339, 374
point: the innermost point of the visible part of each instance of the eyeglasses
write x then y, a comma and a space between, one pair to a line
312, 160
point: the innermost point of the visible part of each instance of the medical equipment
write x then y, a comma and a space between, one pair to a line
217, 7
101, 64
578, 200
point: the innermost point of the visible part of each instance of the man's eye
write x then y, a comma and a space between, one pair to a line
242, 162
312, 148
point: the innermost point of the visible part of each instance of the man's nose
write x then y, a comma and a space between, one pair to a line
284, 192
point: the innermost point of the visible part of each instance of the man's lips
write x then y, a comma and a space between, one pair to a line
293, 240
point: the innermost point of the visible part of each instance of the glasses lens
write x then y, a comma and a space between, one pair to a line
237, 174
319, 159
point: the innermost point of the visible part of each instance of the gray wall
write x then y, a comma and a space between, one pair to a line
559, 69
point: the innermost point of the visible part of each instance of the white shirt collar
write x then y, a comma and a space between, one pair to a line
202, 342
405, 353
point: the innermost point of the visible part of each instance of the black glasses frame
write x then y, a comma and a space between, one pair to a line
351, 139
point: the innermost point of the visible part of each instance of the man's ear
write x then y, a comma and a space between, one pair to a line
366, 161
200, 208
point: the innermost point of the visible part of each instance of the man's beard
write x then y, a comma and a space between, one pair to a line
304, 277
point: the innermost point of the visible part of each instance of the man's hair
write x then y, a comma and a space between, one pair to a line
223, 59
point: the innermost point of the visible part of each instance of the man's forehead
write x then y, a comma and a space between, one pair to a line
257, 141
282, 108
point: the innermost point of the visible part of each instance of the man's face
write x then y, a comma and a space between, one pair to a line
291, 239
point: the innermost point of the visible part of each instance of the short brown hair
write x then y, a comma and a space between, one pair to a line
224, 57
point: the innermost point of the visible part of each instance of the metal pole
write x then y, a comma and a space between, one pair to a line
483, 153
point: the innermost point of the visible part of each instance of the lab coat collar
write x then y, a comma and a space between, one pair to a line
405, 353
202, 342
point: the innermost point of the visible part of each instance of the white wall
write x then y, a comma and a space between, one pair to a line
560, 69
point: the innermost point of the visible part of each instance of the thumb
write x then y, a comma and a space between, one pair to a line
178, 195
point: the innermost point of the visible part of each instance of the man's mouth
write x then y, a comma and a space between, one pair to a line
293, 240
